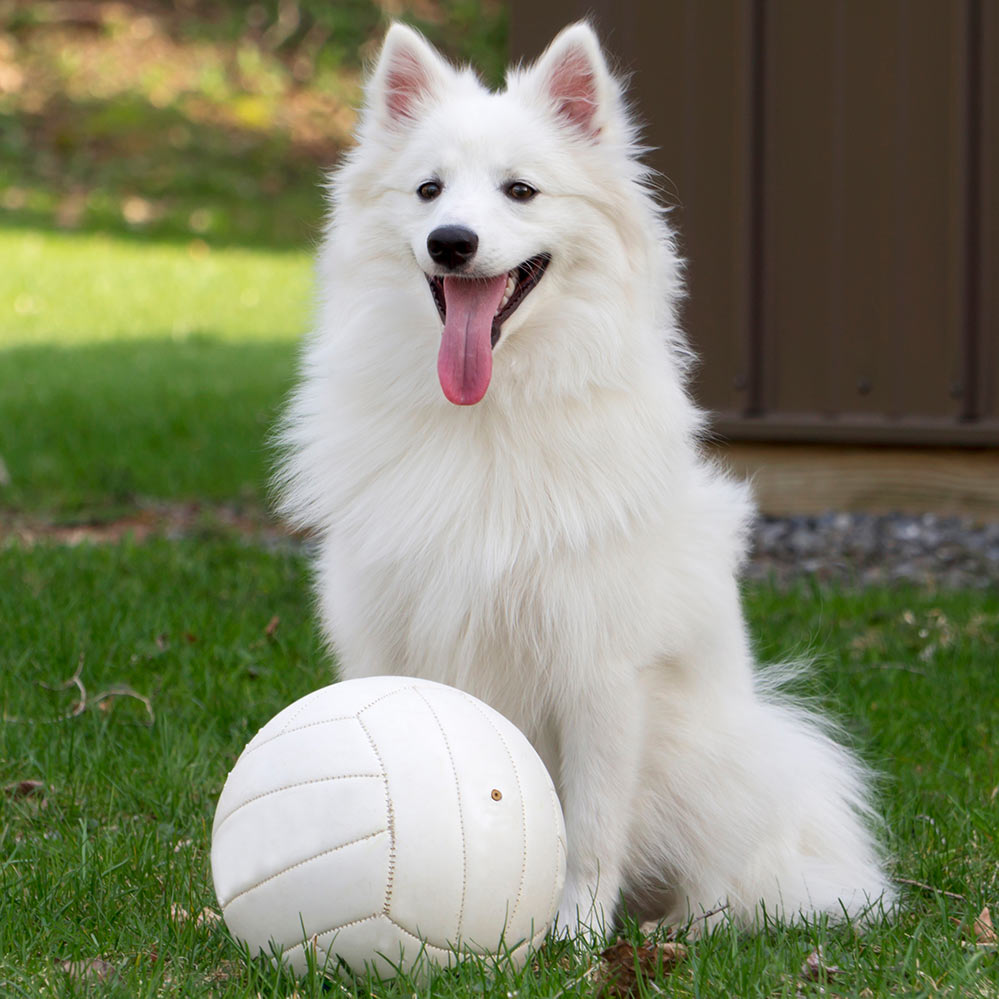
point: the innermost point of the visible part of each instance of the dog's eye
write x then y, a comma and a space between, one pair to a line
519, 191
429, 190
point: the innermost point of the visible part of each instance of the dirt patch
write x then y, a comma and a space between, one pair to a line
168, 520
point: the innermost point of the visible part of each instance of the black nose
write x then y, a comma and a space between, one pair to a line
452, 245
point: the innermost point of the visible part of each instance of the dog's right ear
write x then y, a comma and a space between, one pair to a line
408, 75
573, 80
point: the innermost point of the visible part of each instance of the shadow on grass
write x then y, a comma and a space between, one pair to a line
89, 431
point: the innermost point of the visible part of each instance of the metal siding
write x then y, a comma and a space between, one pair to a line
834, 170
863, 209
702, 153
696, 109
988, 264
533, 25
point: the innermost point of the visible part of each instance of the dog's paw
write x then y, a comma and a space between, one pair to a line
580, 916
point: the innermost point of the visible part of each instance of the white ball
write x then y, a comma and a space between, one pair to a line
381, 819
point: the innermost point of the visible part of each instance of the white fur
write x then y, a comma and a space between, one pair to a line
562, 549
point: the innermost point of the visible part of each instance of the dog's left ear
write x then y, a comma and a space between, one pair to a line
573, 78
409, 74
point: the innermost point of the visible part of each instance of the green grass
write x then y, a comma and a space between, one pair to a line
134, 371
131, 371
120, 831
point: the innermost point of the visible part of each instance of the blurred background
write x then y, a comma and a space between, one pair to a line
832, 168
834, 171
161, 170
162, 119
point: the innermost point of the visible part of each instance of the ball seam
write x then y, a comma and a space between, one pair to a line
461, 814
523, 807
304, 703
290, 787
460, 946
288, 730
332, 929
389, 818
386, 695
300, 863
301, 728
446, 948
560, 843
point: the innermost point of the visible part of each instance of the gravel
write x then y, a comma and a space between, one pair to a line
850, 548
867, 549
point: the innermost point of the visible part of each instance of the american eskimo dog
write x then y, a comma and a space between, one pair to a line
493, 442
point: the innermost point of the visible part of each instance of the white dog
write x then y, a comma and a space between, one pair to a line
493, 441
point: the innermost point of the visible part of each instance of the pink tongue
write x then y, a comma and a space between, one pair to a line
465, 361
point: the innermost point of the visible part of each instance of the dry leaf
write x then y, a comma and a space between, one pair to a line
816, 970
24, 788
206, 917
30, 792
985, 934
623, 965
95, 969
272, 626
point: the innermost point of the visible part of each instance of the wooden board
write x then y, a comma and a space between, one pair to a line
794, 479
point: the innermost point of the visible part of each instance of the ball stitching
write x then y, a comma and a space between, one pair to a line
332, 929
289, 787
287, 731
523, 808
390, 816
301, 863
445, 948
461, 815
385, 696
554, 900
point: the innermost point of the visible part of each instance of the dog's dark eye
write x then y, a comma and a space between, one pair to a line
429, 190
519, 191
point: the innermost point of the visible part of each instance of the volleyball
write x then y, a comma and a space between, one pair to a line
384, 824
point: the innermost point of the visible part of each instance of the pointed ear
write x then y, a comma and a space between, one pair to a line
573, 77
408, 74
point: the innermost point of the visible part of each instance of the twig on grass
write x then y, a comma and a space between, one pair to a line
86, 701
73, 681
124, 690
703, 917
926, 887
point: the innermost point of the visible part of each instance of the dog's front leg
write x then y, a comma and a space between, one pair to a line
600, 735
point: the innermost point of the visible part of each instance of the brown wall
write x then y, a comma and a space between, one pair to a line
835, 167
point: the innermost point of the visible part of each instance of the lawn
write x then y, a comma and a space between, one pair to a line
136, 371
158, 225
183, 649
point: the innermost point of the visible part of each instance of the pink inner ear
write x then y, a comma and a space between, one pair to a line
405, 83
573, 88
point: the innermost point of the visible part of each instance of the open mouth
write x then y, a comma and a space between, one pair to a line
473, 311
520, 282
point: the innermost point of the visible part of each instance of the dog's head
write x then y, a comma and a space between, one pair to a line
495, 197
